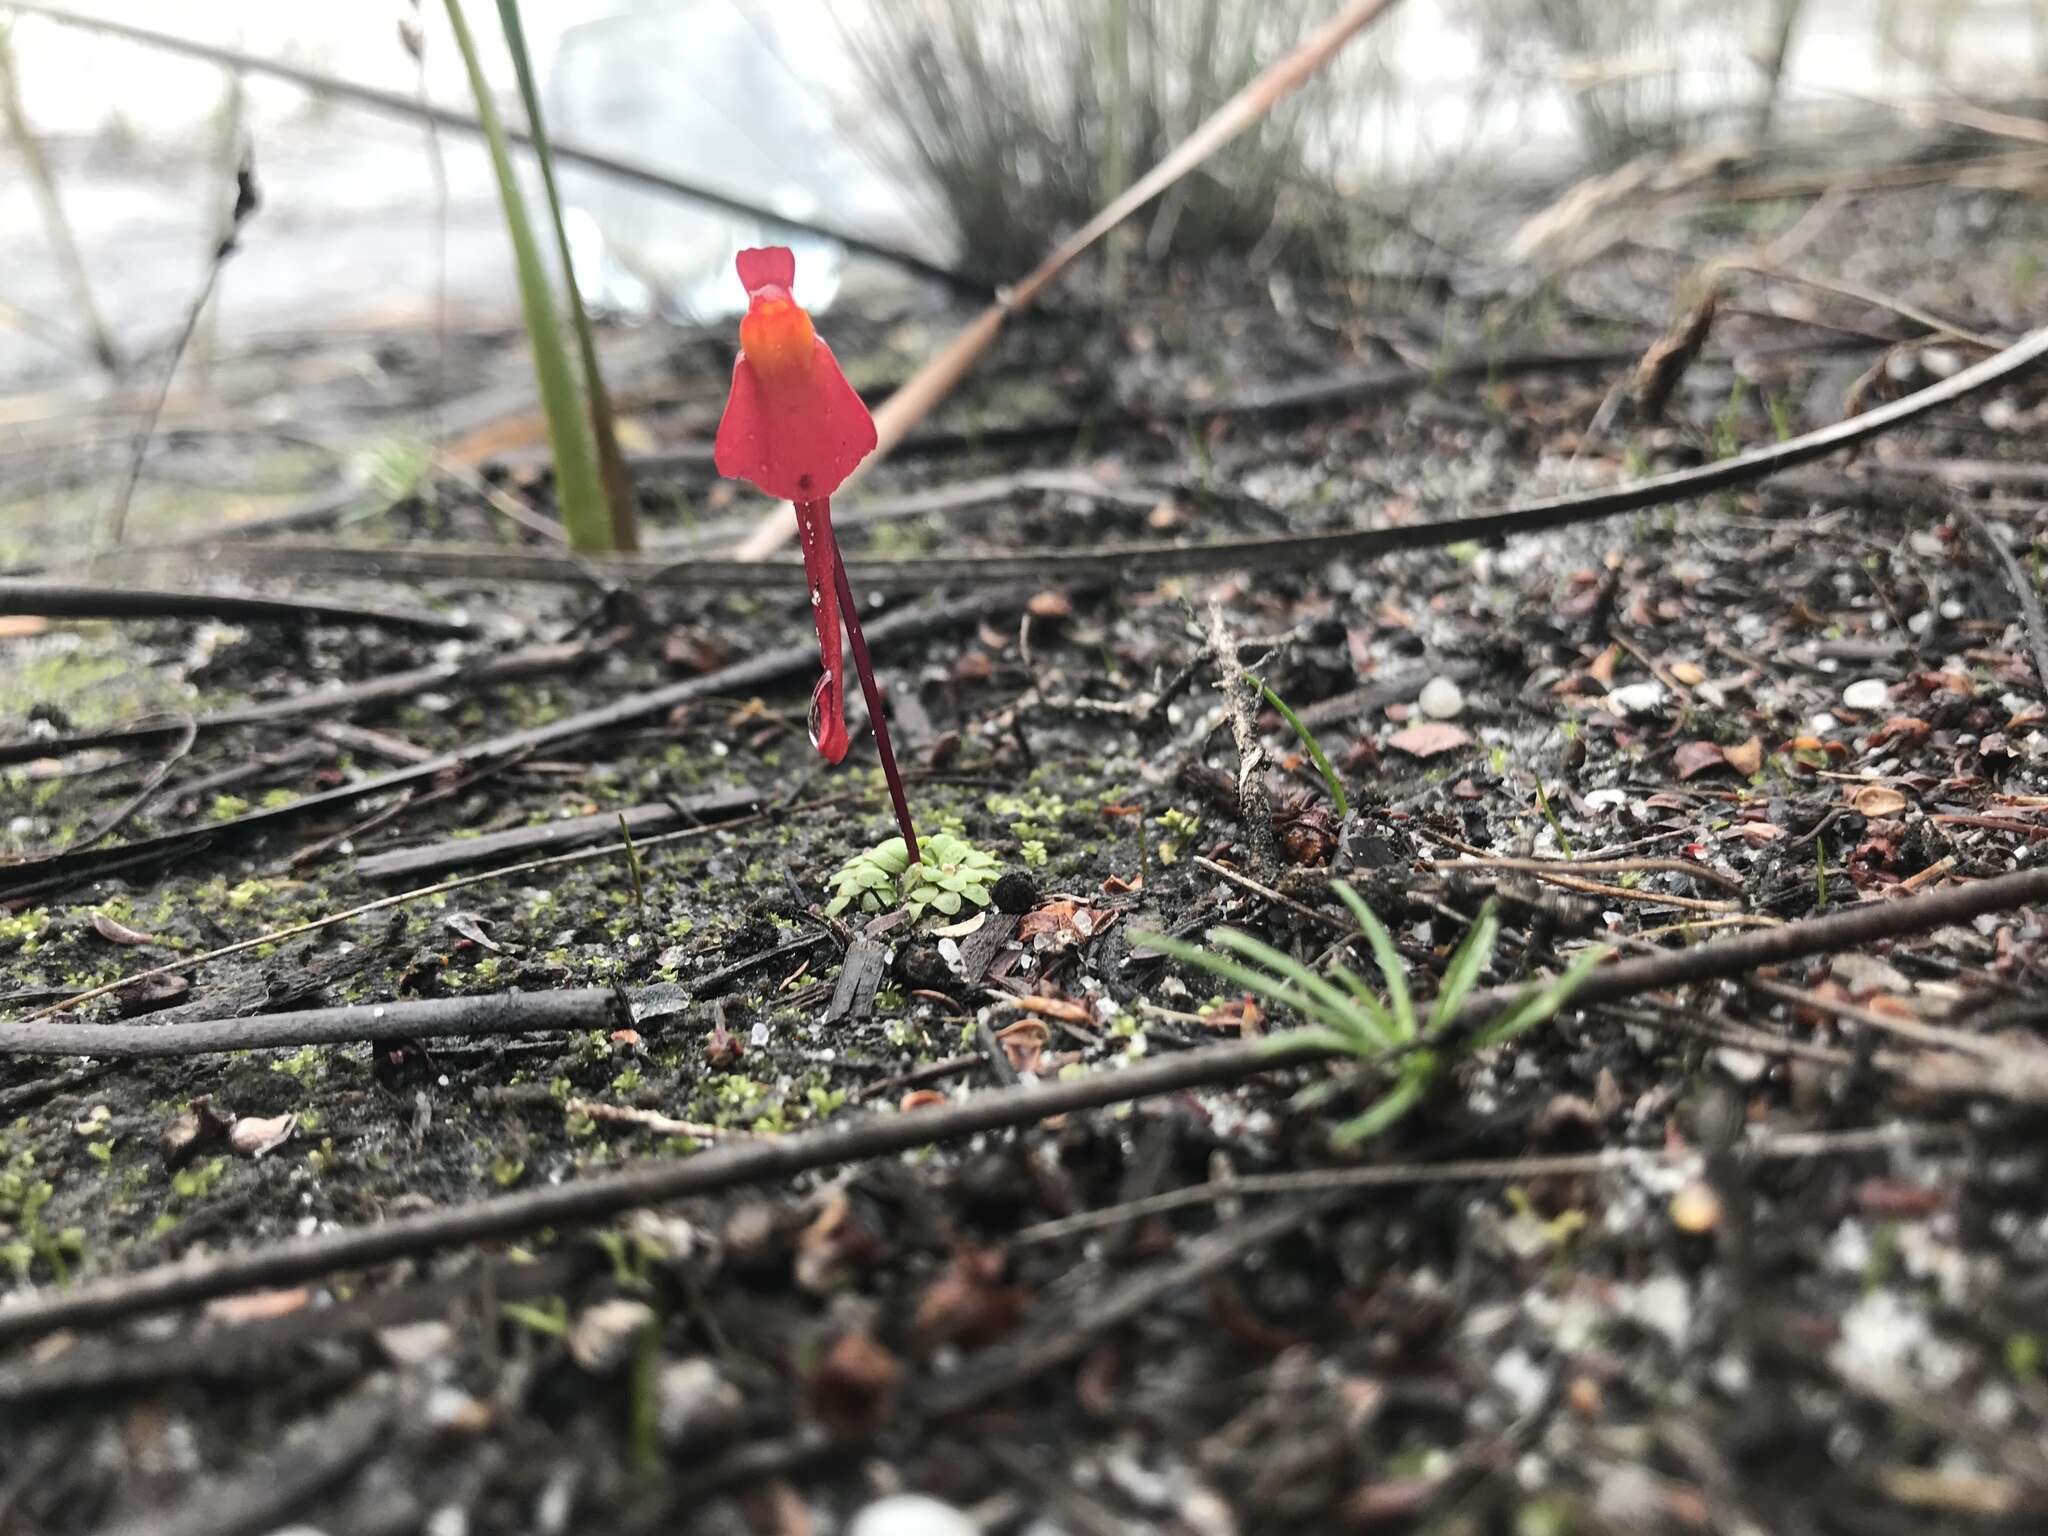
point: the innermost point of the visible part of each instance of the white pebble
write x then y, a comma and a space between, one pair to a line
1867, 693
910, 1514
1441, 699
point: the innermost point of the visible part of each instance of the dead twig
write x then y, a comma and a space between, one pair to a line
1241, 698
247, 201
742, 678
1103, 564
187, 734
512, 666
1789, 1148
314, 925
1591, 866
493, 1013
2022, 587
859, 1138
50, 601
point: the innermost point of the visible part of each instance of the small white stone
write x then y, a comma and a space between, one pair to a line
1867, 693
1441, 699
1636, 699
910, 1514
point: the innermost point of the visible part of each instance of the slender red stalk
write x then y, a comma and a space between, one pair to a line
849, 609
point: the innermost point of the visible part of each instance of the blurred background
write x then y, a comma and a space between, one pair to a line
968, 132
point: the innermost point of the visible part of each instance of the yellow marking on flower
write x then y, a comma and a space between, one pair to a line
777, 337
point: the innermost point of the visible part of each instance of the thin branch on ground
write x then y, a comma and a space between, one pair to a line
193, 963
860, 1138
187, 734
2022, 587
1789, 1148
743, 678
1591, 866
340, 698
51, 601
1241, 697
247, 201
1105, 564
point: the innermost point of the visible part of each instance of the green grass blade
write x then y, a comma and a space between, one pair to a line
613, 474
1309, 744
584, 514
1331, 997
1462, 973
1404, 1096
1541, 1002
1342, 1022
1368, 999
1392, 970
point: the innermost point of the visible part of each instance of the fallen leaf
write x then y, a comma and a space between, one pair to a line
476, 929
19, 626
200, 1127
1050, 605
602, 1333
1694, 758
1875, 800
968, 1303
1024, 1044
253, 1137
1241, 1014
853, 1388
119, 933
1689, 673
920, 1098
1746, 759
1432, 738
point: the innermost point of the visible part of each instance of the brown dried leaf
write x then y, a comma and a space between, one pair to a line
1694, 758
1432, 738
1746, 759
254, 1138
119, 933
967, 1304
1877, 800
853, 1388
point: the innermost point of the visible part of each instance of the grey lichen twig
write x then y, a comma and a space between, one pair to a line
55, 221
2022, 588
1242, 694
247, 201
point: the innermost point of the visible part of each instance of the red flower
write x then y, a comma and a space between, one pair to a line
795, 428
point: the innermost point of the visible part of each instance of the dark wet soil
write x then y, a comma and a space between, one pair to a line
1820, 690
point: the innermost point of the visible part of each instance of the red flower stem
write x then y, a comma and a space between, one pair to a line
849, 610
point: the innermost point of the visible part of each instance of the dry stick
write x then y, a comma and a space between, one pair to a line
1692, 867
1796, 1147
741, 677
496, 1013
1208, 1255
51, 601
56, 224
1104, 564
923, 391
400, 898
396, 104
860, 1138
1254, 804
187, 734
532, 661
2022, 587
247, 201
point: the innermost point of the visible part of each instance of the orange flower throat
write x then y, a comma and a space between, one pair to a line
777, 337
